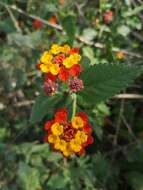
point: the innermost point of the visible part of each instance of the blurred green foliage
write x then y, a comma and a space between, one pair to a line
115, 159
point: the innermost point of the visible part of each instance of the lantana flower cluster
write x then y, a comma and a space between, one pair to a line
61, 63
69, 137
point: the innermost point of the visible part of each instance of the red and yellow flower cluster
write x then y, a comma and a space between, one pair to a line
60, 62
69, 137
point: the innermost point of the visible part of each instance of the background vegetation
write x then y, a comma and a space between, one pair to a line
114, 47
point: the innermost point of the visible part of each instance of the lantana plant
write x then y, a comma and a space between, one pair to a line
61, 63
61, 67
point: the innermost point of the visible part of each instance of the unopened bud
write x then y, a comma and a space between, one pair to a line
76, 85
50, 87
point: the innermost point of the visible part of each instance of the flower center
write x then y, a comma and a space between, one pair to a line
69, 133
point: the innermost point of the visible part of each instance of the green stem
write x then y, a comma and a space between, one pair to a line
74, 104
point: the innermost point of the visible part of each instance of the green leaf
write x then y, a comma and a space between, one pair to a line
98, 131
69, 26
20, 77
103, 108
86, 36
102, 166
57, 181
28, 177
31, 40
101, 82
85, 62
43, 105
135, 179
88, 52
3, 133
134, 11
7, 26
54, 156
123, 30
134, 23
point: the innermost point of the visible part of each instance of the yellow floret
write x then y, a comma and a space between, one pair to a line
60, 145
65, 48
67, 152
54, 69
81, 137
76, 57
77, 122
57, 129
55, 49
68, 62
45, 68
52, 138
75, 145
46, 57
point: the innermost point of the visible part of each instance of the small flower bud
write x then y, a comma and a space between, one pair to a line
50, 87
76, 85
37, 24
108, 17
